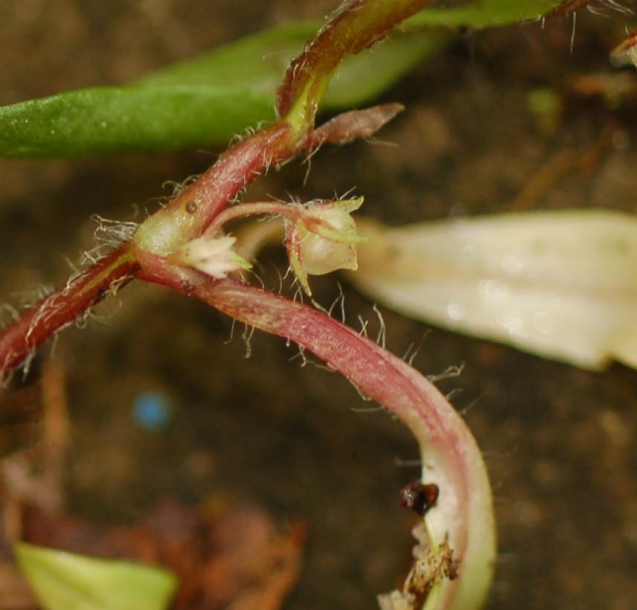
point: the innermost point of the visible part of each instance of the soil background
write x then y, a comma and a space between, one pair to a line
560, 442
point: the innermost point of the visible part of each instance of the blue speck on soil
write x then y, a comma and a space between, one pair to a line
151, 410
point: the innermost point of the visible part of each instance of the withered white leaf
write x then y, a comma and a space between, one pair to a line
560, 284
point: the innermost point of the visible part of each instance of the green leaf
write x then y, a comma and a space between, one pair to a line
257, 61
485, 13
198, 102
206, 100
193, 103
118, 119
65, 581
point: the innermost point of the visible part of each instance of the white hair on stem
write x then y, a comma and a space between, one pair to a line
381, 336
246, 335
602, 7
178, 187
449, 373
363, 323
108, 235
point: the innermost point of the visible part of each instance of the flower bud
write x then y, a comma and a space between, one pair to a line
323, 239
215, 257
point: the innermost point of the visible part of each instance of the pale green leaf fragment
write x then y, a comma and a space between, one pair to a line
559, 284
485, 13
66, 581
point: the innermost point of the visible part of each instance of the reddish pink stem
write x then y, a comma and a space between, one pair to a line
20, 339
355, 26
451, 458
194, 208
236, 168
191, 212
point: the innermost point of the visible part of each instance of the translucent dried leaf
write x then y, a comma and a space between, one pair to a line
558, 284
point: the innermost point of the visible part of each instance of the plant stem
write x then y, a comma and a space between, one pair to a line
20, 339
354, 27
463, 516
188, 215
254, 208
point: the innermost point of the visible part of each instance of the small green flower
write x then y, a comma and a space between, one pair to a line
323, 239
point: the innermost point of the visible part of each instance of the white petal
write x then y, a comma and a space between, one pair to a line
215, 257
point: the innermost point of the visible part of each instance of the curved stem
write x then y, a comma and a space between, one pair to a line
254, 208
355, 26
461, 524
185, 218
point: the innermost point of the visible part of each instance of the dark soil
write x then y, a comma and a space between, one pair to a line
560, 442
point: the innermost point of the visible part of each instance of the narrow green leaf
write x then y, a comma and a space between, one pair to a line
257, 61
117, 119
65, 581
199, 102
484, 13
206, 100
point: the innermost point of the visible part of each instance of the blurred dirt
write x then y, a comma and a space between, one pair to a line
560, 442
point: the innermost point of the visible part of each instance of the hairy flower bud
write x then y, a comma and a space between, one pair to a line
323, 239
215, 257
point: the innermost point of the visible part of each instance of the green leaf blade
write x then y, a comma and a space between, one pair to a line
484, 13
66, 581
207, 100
197, 103
121, 119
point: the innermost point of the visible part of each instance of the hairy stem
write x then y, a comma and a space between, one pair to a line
188, 215
83, 290
462, 520
354, 27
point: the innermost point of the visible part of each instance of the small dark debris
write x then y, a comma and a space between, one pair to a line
419, 497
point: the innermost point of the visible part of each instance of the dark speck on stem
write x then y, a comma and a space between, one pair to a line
100, 295
419, 497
